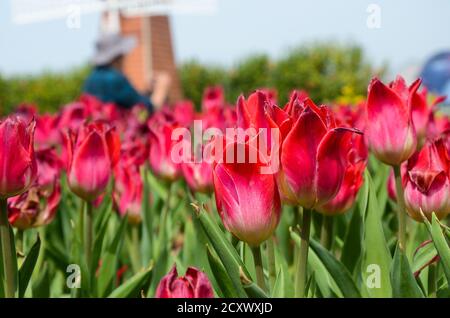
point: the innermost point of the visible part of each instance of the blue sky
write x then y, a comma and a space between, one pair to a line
410, 32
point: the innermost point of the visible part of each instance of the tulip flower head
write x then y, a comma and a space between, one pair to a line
389, 129
18, 167
428, 182
195, 284
92, 153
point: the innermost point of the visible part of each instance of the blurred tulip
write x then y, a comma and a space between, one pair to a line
128, 191
184, 113
213, 99
18, 168
389, 129
428, 182
313, 154
198, 175
161, 126
92, 152
195, 284
247, 200
47, 131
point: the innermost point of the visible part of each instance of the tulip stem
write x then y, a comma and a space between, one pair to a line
134, 249
7, 252
327, 231
271, 259
90, 231
300, 278
401, 208
260, 280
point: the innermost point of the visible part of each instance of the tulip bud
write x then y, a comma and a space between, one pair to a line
92, 153
247, 200
195, 284
390, 130
428, 182
18, 168
161, 127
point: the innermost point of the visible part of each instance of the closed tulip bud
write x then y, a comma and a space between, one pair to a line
18, 168
161, 126
390, 130
353, 180
313, 155
92, 153
428, 182
195, 284
198, 176
247, 200
128, 190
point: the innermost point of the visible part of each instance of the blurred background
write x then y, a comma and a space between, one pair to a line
329, 48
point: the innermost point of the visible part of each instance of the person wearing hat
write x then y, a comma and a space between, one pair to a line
109, 84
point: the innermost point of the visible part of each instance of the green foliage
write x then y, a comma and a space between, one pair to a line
328, 72
48, 90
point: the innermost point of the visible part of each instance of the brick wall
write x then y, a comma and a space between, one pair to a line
154, 52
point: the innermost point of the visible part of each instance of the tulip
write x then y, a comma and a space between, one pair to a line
128, 191
92, 153
161, 126
18, 170
47, 131
195, 284
198, 175
247, 200
213, 99
428, 182
184, 113
390, 130
313, 156
353, 180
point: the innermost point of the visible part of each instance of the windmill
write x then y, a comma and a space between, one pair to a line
147, 20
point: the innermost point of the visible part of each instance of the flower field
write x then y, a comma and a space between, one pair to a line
252, 199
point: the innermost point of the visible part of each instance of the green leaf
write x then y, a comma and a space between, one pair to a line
375, 249
41, 287
98, 244
26, 270
440, 243
404, 284
133, 286
337, 270
278, 288
107, 271
252, 289
423, 256
226, 252
220, 274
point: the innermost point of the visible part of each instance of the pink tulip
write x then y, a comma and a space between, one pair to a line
213, 99
198, 175
353, 180
390, 130
92, 152
195, 284
247, 200
18, 168
161, 126
128, 191
313, 153
38, 205
184, 113
428, 182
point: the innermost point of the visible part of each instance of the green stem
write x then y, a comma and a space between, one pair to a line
89, 232
271, 259
81, 221
260, 280
7, 252
134, 249
300, 278
327, 231
164, 215
401, 208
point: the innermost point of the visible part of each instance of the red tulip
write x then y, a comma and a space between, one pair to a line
213, 99
198, 175
247, 200
195, 284
38, 205
428, 182
161, 127
128, 191
92, 153
47, 131
184, 113
313, 153
353, 180
389, 129
18, 168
